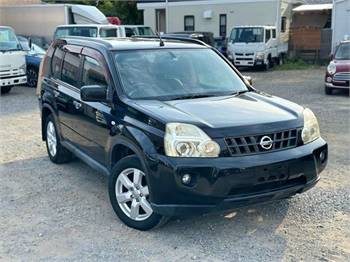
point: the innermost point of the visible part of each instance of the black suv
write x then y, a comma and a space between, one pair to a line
175, 126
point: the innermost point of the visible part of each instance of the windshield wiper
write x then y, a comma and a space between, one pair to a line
239, 92
191, 96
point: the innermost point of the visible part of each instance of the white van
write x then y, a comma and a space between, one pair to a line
87, 30
12, 60
97, 30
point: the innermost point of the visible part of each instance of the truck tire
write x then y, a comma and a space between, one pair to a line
267, 65
280, 60
5, 89
32, 77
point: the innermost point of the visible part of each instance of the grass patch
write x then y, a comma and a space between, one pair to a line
296, 64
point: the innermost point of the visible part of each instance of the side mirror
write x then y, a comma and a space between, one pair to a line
248, 79
93, 93
30, 43
331, 57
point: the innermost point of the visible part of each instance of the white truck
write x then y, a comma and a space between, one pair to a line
12, 60
250, 46
39, 21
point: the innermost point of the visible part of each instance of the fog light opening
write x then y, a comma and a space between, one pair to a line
186, 179
329, 79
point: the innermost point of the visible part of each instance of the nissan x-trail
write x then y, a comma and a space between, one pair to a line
178, 130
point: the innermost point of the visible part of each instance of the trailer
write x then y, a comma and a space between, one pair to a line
340, 22
39, 21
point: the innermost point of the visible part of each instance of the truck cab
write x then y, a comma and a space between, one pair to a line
255, 46
12, 60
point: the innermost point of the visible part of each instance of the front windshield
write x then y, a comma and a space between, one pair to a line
8, 40
176, 73
247, 35
343, 52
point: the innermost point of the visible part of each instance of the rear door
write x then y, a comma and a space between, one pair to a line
67, 75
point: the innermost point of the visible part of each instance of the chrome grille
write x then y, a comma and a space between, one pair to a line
249, 145
343, 76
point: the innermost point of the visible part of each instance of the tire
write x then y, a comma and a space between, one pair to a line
267, 66
280, 60
128, 181
57, 153
32, 77
5, 89
328, 90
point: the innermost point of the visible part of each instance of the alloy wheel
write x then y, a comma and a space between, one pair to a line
51, 138
132, 194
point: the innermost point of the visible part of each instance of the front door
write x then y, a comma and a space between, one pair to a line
96, 120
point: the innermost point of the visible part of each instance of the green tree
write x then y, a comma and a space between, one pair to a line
125, 10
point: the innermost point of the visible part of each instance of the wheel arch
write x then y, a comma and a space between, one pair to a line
130, 140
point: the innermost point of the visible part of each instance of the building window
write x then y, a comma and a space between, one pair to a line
283, 24
223, 25
189, 23
273, 33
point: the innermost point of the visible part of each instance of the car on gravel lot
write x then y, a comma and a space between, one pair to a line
178, 130
338, 70
34, 55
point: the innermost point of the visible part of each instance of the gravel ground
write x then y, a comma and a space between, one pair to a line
61, 212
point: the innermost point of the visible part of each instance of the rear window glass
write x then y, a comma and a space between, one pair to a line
57, 62
93, 73
70, 69
111, 32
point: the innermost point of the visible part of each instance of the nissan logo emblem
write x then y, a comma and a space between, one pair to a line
266, 142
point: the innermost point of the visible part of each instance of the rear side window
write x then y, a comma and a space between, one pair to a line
57, 62
93, 73
70, 69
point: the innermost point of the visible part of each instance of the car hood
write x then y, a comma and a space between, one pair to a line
248, 113
342, 65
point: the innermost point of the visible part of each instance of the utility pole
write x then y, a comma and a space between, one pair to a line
166, 16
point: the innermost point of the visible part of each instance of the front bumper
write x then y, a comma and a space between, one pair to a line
228, 182
335, 85
11, 81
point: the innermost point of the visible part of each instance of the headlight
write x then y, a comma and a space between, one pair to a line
23, 67
185, 140
332, 68
311, 130
260, 56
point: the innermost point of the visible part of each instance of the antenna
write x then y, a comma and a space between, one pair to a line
161, 42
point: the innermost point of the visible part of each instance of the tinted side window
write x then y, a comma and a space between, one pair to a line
93, 73
56, 63
70, 69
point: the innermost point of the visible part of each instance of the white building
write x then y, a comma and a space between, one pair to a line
340, 21
217, 16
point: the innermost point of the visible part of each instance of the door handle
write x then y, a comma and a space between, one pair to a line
77, 104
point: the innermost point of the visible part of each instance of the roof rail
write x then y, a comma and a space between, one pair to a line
164, 37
